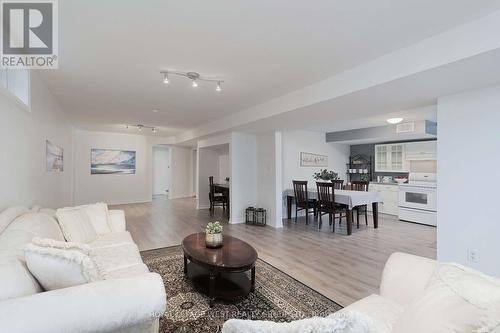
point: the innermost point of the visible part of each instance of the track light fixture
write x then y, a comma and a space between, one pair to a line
194, 77
140, 127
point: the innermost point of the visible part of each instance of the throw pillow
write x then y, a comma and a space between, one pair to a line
75, 225
345, 322
59, 268
51, 243
99, 216
457, 299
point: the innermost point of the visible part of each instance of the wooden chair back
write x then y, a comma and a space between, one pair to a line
338, 183
212, 187
359, 185
300, 192
326, 194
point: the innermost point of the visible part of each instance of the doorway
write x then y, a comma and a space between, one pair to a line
161, 170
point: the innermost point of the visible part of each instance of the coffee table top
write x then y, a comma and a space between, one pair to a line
235, 254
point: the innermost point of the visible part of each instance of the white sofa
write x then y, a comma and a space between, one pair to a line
128, 299
410, 303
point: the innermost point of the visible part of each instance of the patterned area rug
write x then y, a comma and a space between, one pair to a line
277, 297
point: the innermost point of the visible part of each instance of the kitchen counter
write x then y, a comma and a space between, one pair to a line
386, 183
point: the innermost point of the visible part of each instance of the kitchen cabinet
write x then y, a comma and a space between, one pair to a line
419, 151
390, 158
390, 197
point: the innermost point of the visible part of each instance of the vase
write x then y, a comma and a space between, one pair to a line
213, 241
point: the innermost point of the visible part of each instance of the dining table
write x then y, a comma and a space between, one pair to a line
349, 198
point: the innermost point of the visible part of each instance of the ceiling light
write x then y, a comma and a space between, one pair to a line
394, 120
154, 110
139, 128
194, 77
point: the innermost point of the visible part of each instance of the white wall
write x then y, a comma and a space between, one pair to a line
223, 163
22, 150
243, 152
181, 171
269, 177
469, 142
112, 189
161, 170
195, 171
295, 142
208, 165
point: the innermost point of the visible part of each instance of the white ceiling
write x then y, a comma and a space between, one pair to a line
111, 52
413, 98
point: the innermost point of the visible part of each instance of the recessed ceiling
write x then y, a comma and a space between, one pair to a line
111, 52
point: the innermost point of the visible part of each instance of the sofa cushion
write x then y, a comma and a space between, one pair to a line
76, 225
457, 299
56, 268
15, 278
115, 257
112, 239
382, 311
10, 214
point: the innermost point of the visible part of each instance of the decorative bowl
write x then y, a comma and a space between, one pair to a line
401, 180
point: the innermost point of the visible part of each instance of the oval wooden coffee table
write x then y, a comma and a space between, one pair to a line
220, 273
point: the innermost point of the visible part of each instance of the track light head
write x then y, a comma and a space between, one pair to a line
165, 78
218, 87
195, 84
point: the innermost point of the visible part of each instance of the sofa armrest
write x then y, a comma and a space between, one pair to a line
100, 306
117, 220
405, 277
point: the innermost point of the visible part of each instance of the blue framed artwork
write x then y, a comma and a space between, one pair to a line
108, 161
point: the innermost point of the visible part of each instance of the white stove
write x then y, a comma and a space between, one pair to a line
418, 199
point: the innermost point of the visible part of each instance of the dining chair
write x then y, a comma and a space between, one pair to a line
338, 183
302, 201
360, 185
216, 199
326, 203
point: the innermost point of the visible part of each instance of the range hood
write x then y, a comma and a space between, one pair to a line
414, 130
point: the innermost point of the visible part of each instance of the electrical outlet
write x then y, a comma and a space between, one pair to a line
472, 256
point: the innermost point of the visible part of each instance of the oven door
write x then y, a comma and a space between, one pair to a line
417, 197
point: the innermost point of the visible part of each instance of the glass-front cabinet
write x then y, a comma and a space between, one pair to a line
390, 158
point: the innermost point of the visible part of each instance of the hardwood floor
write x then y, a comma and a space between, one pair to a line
344, 268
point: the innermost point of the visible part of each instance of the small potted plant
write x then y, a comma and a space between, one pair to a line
213, 235
326, 175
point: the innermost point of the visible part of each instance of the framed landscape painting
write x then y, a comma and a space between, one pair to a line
108, 161
313, 160
54, 157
